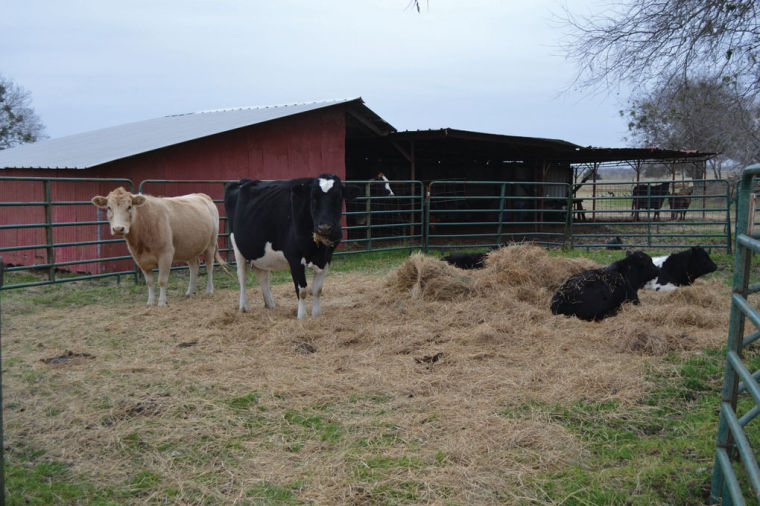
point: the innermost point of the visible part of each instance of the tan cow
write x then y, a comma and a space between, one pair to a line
160, 231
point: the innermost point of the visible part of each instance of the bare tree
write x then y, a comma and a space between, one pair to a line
643, 41
19, 123
701, 114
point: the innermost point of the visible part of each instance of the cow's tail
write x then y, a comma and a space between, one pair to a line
224, 265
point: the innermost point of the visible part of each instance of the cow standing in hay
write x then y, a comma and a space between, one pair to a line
599, 293
160, 231
286, 225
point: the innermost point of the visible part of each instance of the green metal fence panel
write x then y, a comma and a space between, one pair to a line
56, 215
379, 221
652, 214
443, 214
732, 437
466, 214
692, 212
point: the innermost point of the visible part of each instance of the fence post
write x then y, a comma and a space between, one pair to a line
649, 214
49, 230
426, 206
368, 211
569, 217
502, 194
728, 216
2, 438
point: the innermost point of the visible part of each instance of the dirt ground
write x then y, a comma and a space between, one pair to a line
431, 360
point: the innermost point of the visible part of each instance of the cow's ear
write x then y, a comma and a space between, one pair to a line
138, 200
100, 201
350, 191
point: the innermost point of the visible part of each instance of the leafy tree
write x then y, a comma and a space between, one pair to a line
644, 41
18, 121
699, 114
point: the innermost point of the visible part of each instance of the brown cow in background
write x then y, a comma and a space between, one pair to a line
679, 202
160, 231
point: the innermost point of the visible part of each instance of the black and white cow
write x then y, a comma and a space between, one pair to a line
599, 293
286, 225
680, 269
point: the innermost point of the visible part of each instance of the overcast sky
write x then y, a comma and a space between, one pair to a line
485, 65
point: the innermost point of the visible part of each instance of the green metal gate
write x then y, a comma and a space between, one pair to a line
732, 437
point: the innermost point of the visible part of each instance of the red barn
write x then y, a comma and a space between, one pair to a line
262, 143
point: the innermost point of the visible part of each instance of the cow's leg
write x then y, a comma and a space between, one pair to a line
149, 281
194, 264
209, 260
298, 272
263, 277
242, 274
164, 267
316, 288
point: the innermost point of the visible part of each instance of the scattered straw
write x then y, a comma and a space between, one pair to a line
226, 408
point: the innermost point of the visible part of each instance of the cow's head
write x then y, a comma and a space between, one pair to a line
700, 263
639, 268
325, 195
120, 208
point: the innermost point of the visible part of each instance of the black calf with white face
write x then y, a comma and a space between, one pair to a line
599, 293
286, 225
681, 269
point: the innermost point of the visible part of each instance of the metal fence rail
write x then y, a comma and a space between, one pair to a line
692, 212
732, 438
378, 221
50, 232
55, 215
466, 214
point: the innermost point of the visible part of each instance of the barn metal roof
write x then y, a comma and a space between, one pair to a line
89, 149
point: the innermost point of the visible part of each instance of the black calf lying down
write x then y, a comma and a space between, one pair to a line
466, 260
599, 293
680, 269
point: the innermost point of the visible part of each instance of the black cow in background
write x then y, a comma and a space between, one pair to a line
286, 224
647, 196
680, 269
468, 260
599, 293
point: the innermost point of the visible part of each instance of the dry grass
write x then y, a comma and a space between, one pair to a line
421, 370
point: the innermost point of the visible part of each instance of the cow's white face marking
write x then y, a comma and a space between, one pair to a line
658, 261
326, 184
273, 260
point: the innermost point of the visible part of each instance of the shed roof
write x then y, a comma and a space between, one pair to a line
455, 144
89, 149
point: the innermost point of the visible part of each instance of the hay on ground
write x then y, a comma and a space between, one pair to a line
228, 407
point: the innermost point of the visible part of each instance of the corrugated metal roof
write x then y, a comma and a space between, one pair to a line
88, 149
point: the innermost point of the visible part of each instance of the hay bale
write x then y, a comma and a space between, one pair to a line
428, 278
527, 265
